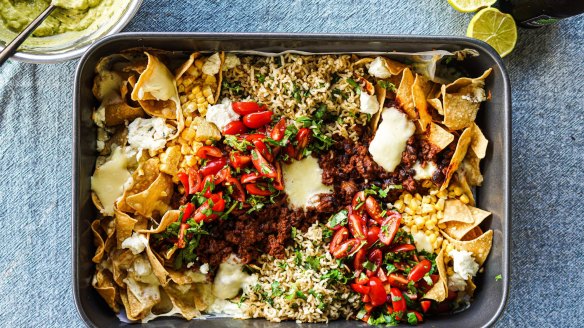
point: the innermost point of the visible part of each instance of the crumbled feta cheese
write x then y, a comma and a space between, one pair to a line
230, 279
231, 309
221, 114
231, 60
150, 134
456, 283
141, 267
477, 96
136, 243
212, 65
204, 268
99, 116
369, 103
464, 264
378, 69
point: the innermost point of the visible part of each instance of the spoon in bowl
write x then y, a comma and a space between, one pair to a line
11, 47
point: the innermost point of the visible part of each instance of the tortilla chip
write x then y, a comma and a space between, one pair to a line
457, 229
363, 61
455, 210
141, 223
404, 94
439, 137
439, 291
121, 262
168, 218
461, 101
380, 92
183, 299
220, 79
170, 159
470, 168
124, 227
186, 65
463, 184
420, 90
157, 267
142, 178
458, 156
140, 298
96, 202
479, 247
393, 66
479, 142
470, 287
97, 241
119, 113
186, 277
105, 287
473, 234
204, 297
153, 199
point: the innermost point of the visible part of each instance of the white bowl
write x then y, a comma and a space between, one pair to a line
69, 45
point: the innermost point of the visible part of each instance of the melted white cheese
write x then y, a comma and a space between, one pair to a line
228, 308
378, 69
160, 84
456, 283
422, 242
108, 180
221, 114
303, 182
389, 142
150, 134
369, 103
230, 279
423, 173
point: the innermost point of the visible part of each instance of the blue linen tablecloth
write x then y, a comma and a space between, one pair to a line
547, 78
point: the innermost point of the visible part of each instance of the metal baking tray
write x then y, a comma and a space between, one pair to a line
494, 195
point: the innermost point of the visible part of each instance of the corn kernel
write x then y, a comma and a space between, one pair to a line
414, 204
407, 198
428, 232
450, 271
457, 191
442, 194
414, 229
442, 225
432, 238
399, 205
440, 204
418, 196
409, 211
429, 225
427, 208
440, 215
426, 199
464, 199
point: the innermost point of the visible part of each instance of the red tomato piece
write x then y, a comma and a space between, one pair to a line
373, 209
418, 315
398, 302
264, 150
397, 280
359, 259
381, 275
258, 119
187, 212
356, 226
377, 292
262, 165
402, 248
278, 182
238, 192
419, 270
239, 160
222, 175
372, 235
362, 280
181, 243
249, 177
184, 179
290, 151
279, 130
246, 107
346, 249
389, 228
253, 189
213, 166
338, 238
361, 289
358, 201
195, 181
303, 138
255, 136
209, 151
234, 127
425, 304
207, 185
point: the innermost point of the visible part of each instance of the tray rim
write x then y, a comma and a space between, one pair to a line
393, 38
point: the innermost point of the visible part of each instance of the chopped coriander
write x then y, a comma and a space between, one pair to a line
412, 319
387, 85
390, 268
498, 277
369, 266
261, 77
294, 232
339, 219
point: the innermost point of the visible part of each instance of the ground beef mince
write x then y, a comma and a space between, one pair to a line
250, 235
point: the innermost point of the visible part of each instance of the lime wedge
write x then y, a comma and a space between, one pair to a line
495, 28
470, 6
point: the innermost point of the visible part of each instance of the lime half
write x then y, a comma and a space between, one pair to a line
495, 28
470, 6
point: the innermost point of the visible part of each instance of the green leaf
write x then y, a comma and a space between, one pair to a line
498, 277
339, 219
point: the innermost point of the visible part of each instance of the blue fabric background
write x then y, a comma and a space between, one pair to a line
547, 74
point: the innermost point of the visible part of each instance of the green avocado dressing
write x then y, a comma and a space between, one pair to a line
71, 15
